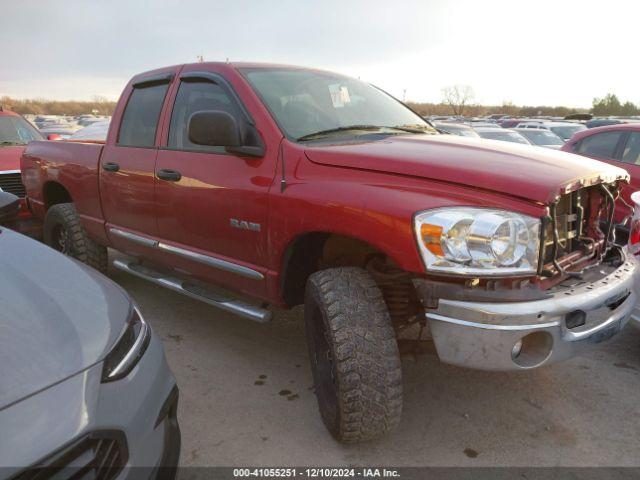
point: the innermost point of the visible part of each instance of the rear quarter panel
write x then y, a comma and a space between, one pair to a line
75, 167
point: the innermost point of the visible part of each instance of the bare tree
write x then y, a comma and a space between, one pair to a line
457, 97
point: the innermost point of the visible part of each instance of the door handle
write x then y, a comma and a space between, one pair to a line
110, 166
169, 175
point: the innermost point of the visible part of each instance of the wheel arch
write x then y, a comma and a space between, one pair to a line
312, 251
54, 193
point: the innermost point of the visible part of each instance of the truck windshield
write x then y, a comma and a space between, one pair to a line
309, 104
15, 130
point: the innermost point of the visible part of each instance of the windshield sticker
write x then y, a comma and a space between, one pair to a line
339, 95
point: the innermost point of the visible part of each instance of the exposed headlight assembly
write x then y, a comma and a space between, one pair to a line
478, 241
128, 349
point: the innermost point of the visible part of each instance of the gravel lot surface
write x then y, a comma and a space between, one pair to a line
246, 399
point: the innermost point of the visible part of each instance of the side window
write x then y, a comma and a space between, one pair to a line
140, 119
194, 96
600, 145
632, 149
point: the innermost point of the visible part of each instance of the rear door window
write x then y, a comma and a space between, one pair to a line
140, 120
601, 145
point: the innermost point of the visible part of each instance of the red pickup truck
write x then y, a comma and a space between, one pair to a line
247, 185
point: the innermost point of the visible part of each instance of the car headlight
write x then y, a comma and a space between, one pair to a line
128, 349
478, 241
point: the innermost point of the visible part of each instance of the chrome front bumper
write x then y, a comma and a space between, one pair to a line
486, 336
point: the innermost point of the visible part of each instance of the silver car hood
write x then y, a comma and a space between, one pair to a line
57, 317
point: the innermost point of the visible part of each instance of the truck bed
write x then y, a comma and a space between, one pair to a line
47, 166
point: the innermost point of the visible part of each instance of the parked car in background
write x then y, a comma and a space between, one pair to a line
618, 145
95, 132
84, 383
61, 130
482, 124
541, 137
86, 120
15, 134
530, 124
602, 122
565, 130
43, 120
459, 129
562, 129
503, 134
219, 174
510, 122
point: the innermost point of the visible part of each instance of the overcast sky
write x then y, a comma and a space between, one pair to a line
559, 52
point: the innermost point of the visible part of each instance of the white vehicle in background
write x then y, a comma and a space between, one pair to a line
459, 129
541, 137
95, 132
502, 134
564, 130
531, 124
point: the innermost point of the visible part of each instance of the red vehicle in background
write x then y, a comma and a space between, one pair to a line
15, 134
618, 145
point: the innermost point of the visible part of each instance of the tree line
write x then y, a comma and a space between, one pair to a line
458, 100
40, 106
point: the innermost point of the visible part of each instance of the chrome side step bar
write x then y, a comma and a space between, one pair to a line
197, 292
190, 255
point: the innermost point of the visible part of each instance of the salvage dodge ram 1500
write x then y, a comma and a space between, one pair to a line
247, 185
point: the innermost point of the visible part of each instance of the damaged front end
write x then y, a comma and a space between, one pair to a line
582, 292
579, 233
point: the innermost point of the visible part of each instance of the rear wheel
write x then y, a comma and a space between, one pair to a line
63, 232
354, 354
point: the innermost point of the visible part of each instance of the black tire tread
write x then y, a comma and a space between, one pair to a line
366, 357
82, 247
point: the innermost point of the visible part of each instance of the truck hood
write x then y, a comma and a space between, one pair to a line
57, 317
535, 174
10, 157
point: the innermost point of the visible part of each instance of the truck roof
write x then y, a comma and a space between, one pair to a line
233, 65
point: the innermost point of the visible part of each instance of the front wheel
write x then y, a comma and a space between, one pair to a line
63, 232
354, 354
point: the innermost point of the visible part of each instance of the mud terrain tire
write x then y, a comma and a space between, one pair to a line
63, 232
354, 354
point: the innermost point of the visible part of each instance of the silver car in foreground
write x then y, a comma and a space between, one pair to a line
85, 388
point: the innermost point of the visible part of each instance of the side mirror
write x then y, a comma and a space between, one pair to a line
9, 206
54, 137
215, 128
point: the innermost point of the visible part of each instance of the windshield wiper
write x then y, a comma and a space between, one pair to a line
339, 129
402, 128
